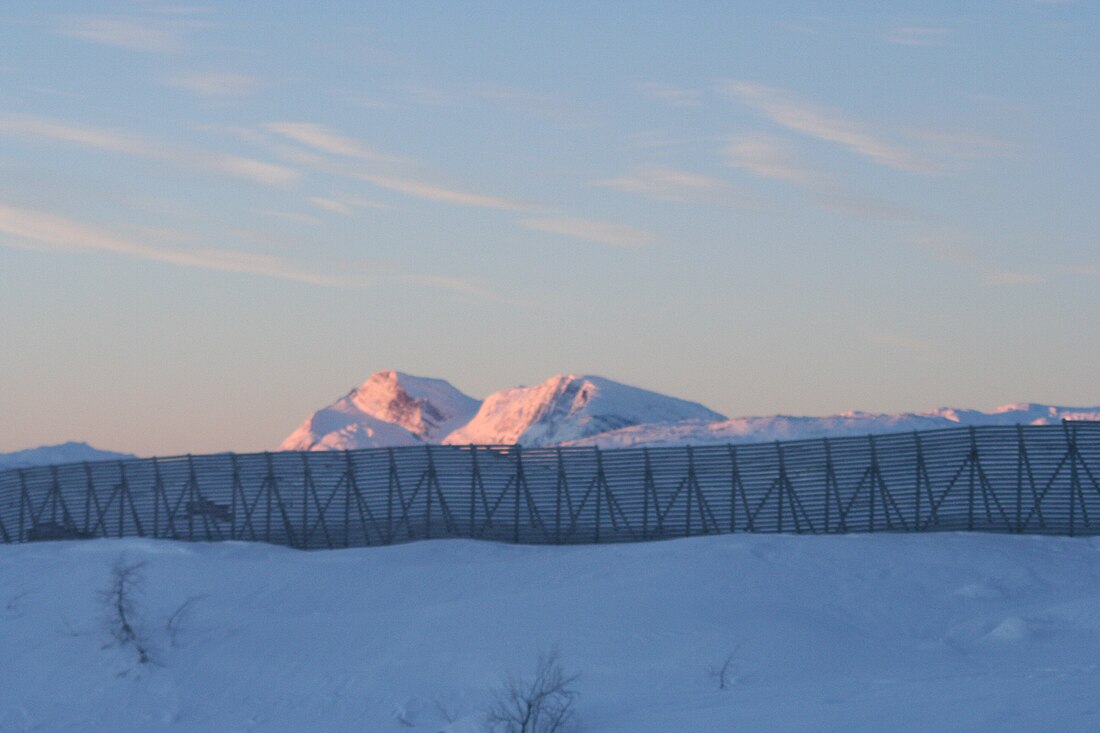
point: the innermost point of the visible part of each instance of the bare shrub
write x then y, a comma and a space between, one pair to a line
123, 598
174, 624
725, 674
541, 704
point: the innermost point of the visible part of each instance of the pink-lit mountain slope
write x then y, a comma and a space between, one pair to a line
395, 409
570, 407
389, 409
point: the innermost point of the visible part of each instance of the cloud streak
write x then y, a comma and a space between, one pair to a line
320, 138
215, 84
48, 231
765, 157
786, 110
678, 186
435, 192
36, 128
345, 206
617, 235
45, 231
325, 140
121, 31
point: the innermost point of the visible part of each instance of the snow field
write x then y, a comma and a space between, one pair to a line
932, 632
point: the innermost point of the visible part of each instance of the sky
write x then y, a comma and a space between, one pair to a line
216, 218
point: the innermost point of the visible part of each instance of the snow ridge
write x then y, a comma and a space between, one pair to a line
786, 427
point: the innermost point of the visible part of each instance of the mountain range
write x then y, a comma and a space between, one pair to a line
394, 409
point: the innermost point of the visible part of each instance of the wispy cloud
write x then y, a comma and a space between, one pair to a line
955, 248
915, 35
22, 126
345, 205
46, 231
618, 235
53, 232
333, 205
766, 157
788, 111
669, 94
215, 84
435, 192
453, 284
668, 184
325, 140
122, 31
268, 174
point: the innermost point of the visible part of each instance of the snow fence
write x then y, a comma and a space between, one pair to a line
1023, 479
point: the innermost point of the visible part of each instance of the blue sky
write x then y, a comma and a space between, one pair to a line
215, 218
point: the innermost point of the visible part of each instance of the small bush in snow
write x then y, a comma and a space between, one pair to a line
122, 598
541, 704
725, 674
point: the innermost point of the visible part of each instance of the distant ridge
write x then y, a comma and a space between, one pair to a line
46, 455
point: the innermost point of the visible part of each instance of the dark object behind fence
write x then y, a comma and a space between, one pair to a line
1024, 479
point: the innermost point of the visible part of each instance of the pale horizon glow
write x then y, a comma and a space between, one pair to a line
217, 218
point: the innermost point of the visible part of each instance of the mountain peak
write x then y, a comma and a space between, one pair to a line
390, 408
570, 407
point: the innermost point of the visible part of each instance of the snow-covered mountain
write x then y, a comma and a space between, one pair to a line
389, 409
785, 427
395, 409
570, 407
51, 454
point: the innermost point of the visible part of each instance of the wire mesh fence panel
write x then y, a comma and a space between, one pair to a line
1023, 479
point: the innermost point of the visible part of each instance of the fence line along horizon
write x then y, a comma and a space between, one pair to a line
1020, 479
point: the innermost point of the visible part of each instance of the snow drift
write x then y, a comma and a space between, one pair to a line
905, 633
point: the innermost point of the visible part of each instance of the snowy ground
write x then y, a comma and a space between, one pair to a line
937, 632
